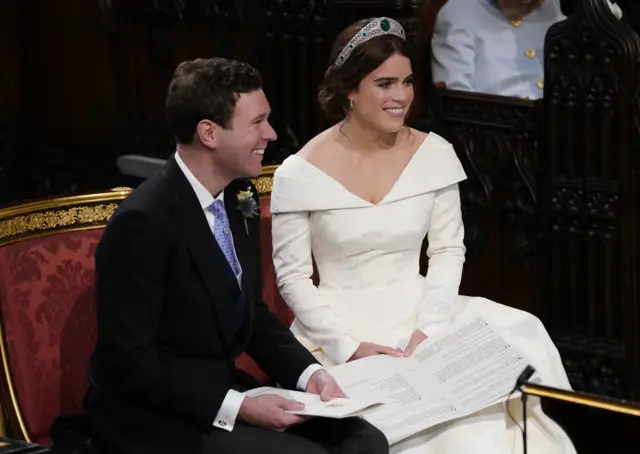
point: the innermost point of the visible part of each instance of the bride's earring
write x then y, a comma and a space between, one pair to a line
351, 104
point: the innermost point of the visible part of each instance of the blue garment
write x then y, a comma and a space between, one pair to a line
476, 48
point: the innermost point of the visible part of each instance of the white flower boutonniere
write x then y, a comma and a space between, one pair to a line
247, 206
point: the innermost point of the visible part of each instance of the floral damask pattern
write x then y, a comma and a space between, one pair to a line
48, 309
25, 265
71, 278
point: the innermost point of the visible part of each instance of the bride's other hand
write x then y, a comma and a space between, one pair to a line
416, 339
370, 349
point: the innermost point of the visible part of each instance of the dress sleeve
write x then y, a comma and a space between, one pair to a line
453, 51
294, 267
446, 254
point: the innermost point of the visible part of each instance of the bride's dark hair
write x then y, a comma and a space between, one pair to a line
339, 81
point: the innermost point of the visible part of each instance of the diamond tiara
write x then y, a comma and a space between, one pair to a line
377, 27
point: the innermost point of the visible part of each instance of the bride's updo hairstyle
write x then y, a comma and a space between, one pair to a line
358, 50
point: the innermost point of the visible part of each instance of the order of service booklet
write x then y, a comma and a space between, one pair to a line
337, 408
459, 371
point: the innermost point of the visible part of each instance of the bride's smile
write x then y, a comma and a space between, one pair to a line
383, 98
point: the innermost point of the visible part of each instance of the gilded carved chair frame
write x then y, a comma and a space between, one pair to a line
264, 182
37, 219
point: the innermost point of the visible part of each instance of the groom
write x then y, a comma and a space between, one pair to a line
179, 291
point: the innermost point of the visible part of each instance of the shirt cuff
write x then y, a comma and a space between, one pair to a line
306, 375
226, 417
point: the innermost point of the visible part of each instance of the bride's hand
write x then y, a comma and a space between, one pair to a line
416, 339
370, 349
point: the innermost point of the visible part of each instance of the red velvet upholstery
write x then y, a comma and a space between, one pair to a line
270, 290
48, 309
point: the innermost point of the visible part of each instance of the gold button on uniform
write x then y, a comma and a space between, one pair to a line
540, 84
516, 22
530, 53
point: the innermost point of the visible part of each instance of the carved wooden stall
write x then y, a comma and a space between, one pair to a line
588, 160
496, 139
550, 205
630, 10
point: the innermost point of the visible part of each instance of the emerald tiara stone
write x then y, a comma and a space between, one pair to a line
377, 27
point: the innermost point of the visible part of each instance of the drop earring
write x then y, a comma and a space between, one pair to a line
351, 104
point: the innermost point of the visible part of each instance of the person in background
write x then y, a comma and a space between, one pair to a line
493, 46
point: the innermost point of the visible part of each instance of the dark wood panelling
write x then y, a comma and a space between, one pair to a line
496, 139
88, 81
588, 162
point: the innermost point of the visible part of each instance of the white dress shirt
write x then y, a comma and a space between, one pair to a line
226, 417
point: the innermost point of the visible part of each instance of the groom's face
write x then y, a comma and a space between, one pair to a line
241, 146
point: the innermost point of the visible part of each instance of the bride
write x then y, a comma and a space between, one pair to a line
359, 199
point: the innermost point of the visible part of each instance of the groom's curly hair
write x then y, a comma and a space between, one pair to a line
206, 89
341, 80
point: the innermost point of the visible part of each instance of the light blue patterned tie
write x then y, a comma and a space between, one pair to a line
222, 232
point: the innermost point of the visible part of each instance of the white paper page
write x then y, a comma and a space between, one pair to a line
474, 364
412, 405
314, 406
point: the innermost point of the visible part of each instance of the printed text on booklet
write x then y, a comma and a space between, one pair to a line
453, 374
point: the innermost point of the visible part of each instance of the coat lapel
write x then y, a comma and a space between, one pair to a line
209, 259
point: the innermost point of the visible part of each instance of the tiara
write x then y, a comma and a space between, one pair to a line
377, 27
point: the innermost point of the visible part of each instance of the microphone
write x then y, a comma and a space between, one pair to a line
525, 375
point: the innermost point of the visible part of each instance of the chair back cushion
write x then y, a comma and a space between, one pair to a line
270, 293
47, 298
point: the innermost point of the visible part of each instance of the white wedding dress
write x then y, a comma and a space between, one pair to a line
370, 289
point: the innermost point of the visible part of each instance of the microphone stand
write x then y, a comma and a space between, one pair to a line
523, 398
520, 382
579, 398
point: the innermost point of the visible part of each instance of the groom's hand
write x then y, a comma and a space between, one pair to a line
370, 349
270, 412
416, 339
323, 384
